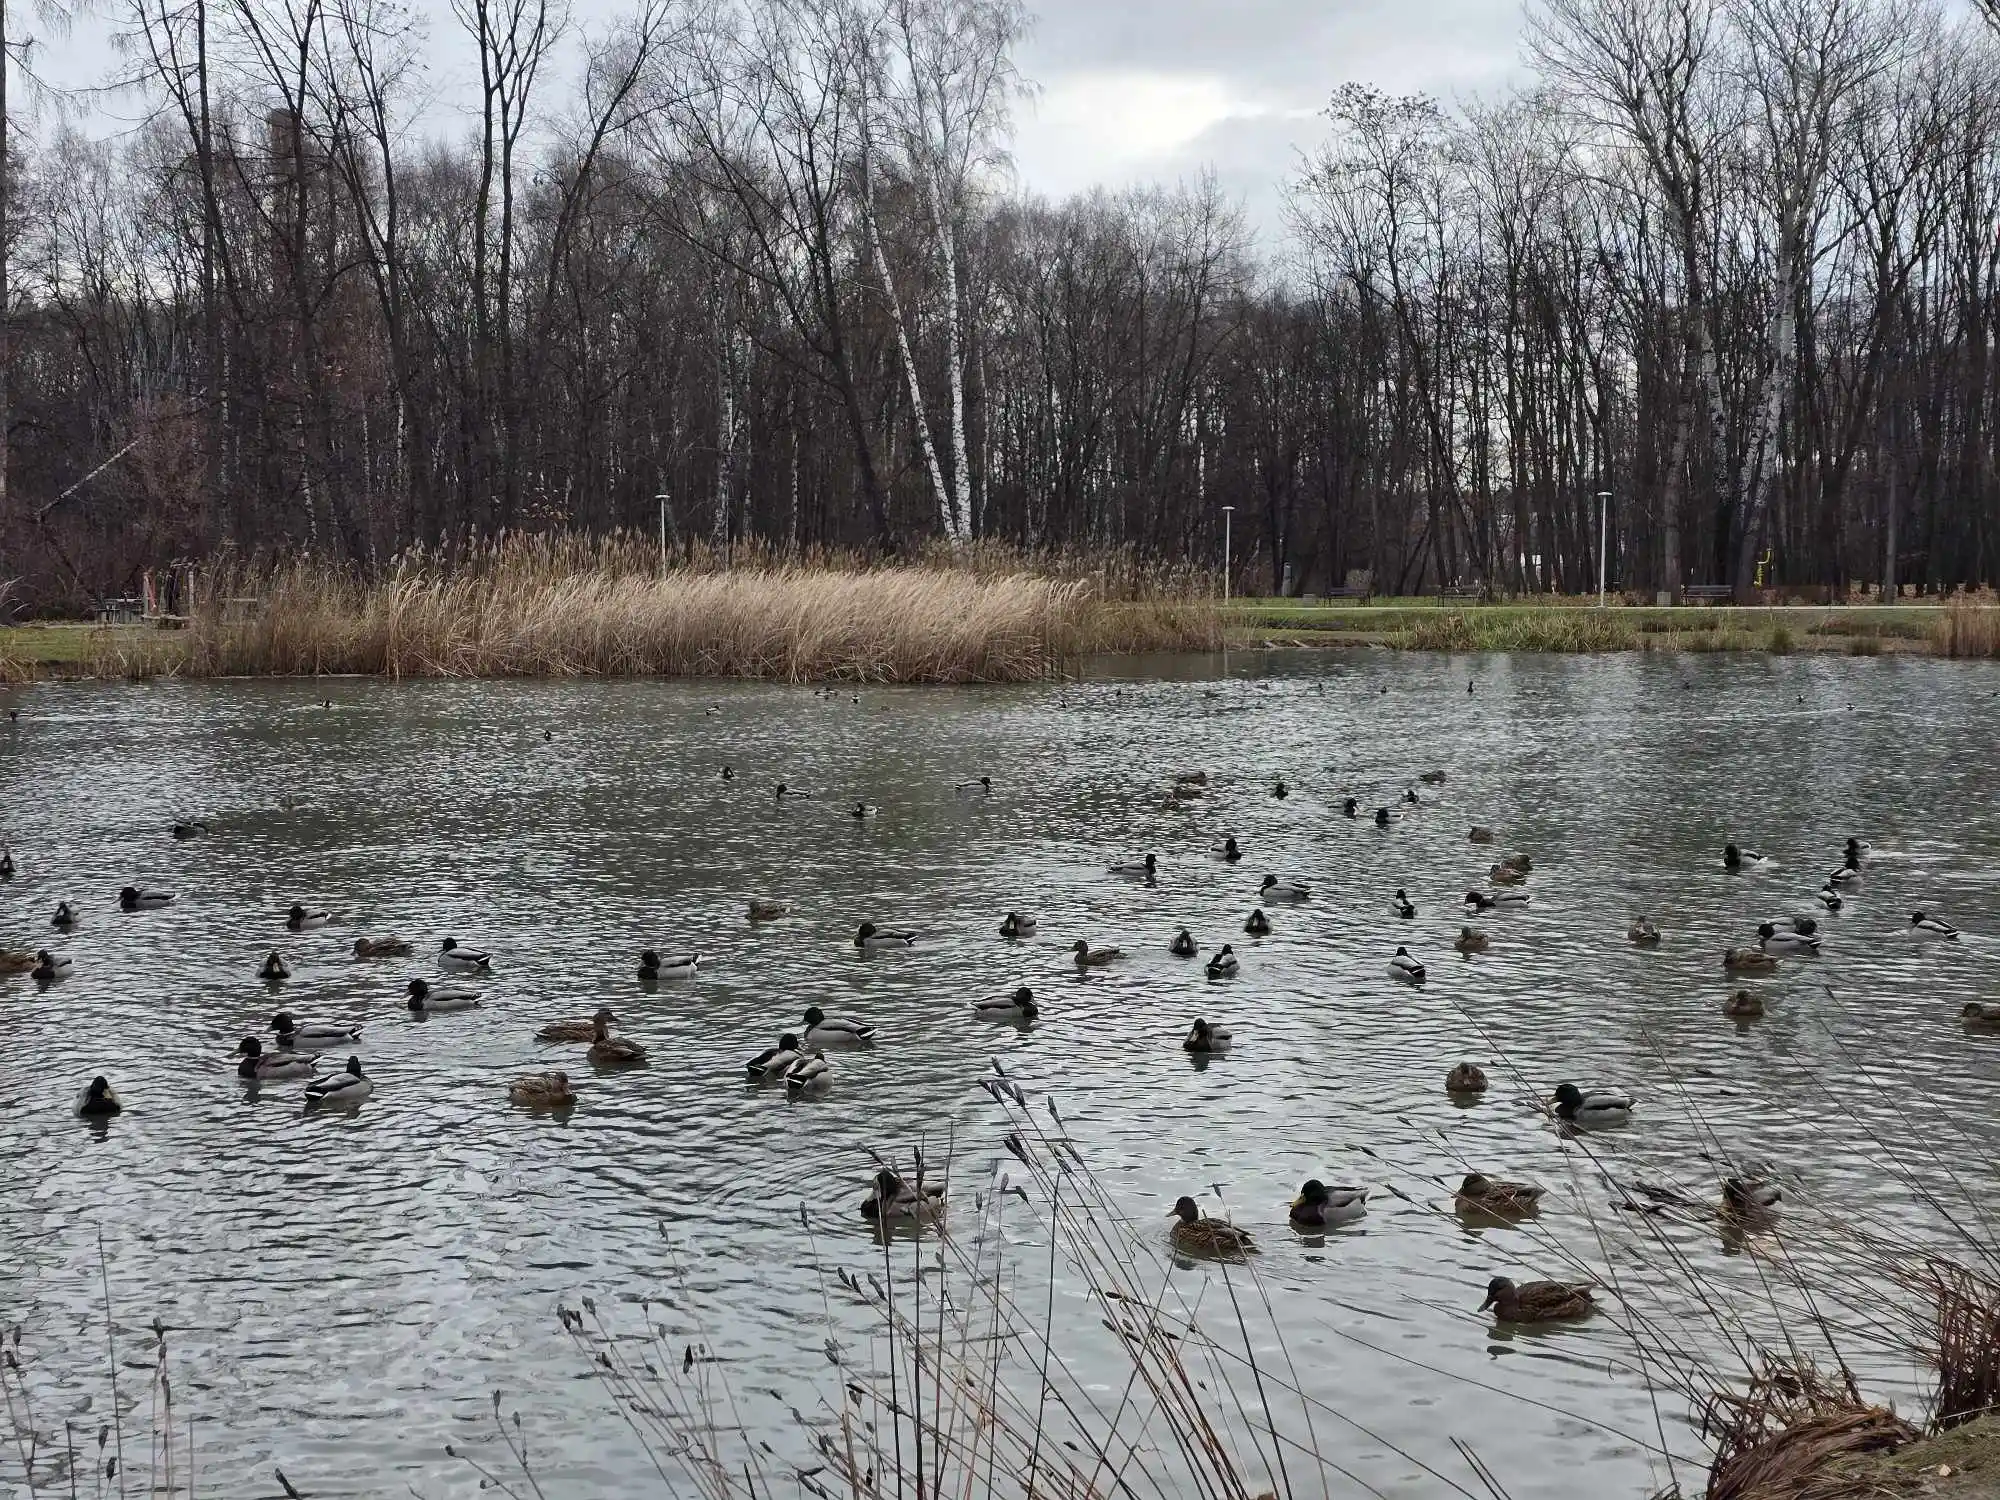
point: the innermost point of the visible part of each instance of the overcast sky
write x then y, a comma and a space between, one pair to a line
1130, 91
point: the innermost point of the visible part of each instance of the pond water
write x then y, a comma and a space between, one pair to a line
345, 1292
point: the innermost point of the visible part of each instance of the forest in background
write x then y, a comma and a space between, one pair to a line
1734, 262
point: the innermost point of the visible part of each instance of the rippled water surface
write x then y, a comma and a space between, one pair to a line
347, 1291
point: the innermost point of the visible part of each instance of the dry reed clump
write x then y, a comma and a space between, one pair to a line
1969, 630
1784, 1437
1559, 630
1448, 632
1964, 1343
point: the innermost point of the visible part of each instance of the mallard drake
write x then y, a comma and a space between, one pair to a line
1225, 849
427, 1001
1274, 889
1198, 1235
1505, 875
385, 947
1484, 1194
98, 1100
274, 970
1537, 1301
1014, 925
1479, 900
1381, 817
608, 1051
766, 911
349, 1086
1466, 1078
783, 793
1088, 957
1350, 807
1405, 968
1848, 873
1137, 869
679, 966
891, 1200
821, 1030
1748, 961
728, 772
1857, 847
1431, 778
1597, 1108
298, 919
1480, 834
1403, 907
869, 937
1734, 858
1319, 1207
1829, 897
49, 967
131, 898
1259, 925
1644, 932
1786, 944
1223, 964
1750, 1195
193, 829
1183, 945
309, 1036
1470, 940
454, 955
1019, 1006
258, 1065
773, 1063
1981, 1012
1280, 790
64, 918
576, 1031
863, 810
1203, 1038
809, 1074
542, 1091
1924, 925
981, 786
1743, 1005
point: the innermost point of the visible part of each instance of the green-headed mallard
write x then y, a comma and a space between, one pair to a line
869, 938
1478, 1193
1203, 1038
1014, 925
773, 1063
347, 1087
1274, 889
654, 967
1734, 858
1198, 1235
1405, 968
1019, 1006
1137, 869
1223, 964
1319, 1207
257, 1065
1924, 925
542, 1091
49, 967
64, 918
1597, 1107
131, 898
1259, 925
274, 970
1466, 1078
427, 999
1183, 945
810, 1074
1537, 1301
1792, 944
1750, 1196
1644, 932
453, 954
295, 1035
98, 1100
299, 919
822, 1030
1402, 908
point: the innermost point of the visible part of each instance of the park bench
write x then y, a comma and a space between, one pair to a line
122, 610
1708, 593
1458, 594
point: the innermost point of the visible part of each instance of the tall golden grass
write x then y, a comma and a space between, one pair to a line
1969, 629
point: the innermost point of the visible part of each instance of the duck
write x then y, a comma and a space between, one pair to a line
1405, 968
1505, 896
194, 828
1480, 834
891, 1200
1804, 926
1146, 868
1734, 858
1203, 1038
1505, 874
6, 864
98, 1100
542, 1091
1786, 944
1750, 1195
1537, 1301
783, 793
1848, 873
608, 1051
298, 919
1226, 849
349, 1086
1924, 925
1019, 1006
259, 1065
1381, 817
307, 1036
1319, 1207
1431, 778
1410, 797
652, 966
1829, 897
49, 967
869, 937
1981, 1012
1183, 945
1200, 1235
1014, 925
1088, 957
425, 1000
728, 772
979, 786
64, 918
274, 970
811, 1073
1644, 931
863, 810
1223, 964
1280, 790
575, 1031
1274, 889
18, 961
1743, 1005
774, 1062
1351, 807
1598, 1107
765, 911
131, 898
1466, 1078
1471, 940
453, 955
1258, 925
1478, 1192
1519, 862
822, 1030
1403, 907
1748, 961
383, 947
1856, 848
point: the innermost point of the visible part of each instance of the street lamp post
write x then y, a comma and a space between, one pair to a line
1226, 518
1603, 502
